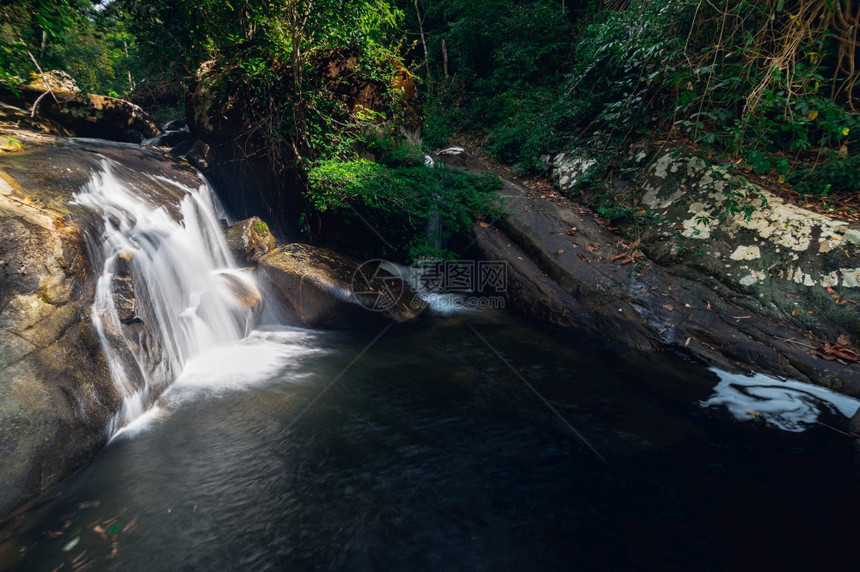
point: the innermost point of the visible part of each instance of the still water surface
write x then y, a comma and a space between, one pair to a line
295, 450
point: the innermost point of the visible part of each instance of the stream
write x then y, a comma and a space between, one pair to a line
418, 447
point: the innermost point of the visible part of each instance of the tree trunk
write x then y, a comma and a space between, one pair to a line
423, 40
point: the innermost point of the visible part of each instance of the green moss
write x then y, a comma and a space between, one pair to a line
260, 227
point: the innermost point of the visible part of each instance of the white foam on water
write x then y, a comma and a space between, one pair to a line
785, 404
255, 360
264, 357
143, 422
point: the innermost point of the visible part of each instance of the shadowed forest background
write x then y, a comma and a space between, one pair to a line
769, 87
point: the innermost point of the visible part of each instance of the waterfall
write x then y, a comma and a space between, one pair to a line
168, 289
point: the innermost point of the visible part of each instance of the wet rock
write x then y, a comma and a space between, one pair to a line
173, 138
322, 289
250, 239
122, 289
240, 289
57, 396
174, 125
183, 148
200, 156
56, 393
132, 136
854, 424
566, 267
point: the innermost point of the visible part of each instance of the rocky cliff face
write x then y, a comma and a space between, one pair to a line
56, 393
749, 245
717, 267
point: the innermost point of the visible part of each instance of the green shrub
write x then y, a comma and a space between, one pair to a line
399, 202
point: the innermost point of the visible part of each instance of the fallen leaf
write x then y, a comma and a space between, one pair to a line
132, 524
709, 305
843, 340
835, 351
668, 307
584, 258
484, 225
687, 343
560, 251
795, 312
100, 531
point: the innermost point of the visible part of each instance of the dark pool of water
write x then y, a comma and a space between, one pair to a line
429, 453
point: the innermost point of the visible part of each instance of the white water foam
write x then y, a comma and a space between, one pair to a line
257, 359
188, 296
264, 357
787, 405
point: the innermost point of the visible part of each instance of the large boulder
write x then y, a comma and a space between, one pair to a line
250, 240
320, 288
752, 246
742, 298
746, 243
57, 395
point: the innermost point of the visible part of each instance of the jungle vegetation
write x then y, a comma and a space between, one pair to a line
769, 85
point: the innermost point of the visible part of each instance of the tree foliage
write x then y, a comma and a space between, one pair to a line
76, 36
771, 83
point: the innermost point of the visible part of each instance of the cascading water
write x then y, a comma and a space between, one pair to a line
167, 291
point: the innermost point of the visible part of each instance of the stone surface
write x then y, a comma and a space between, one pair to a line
250, 240
316, 287
562, 269
770, 257
56, 393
